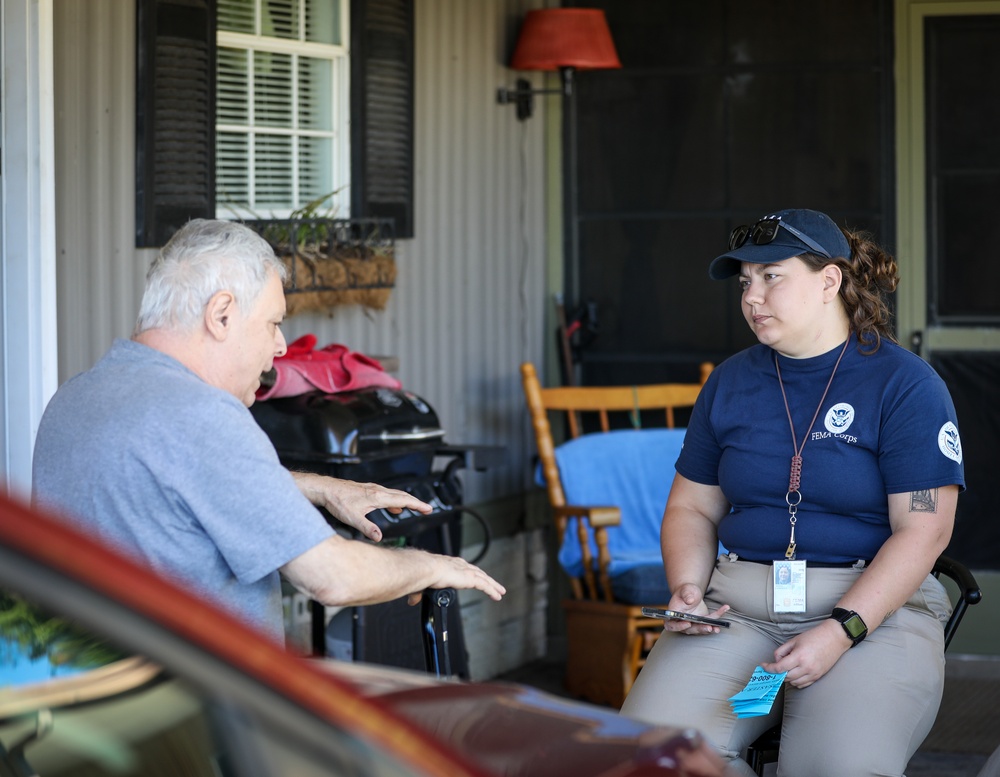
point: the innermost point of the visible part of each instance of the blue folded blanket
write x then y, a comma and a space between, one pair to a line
631, 469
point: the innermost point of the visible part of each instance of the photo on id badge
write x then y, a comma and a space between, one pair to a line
789, 586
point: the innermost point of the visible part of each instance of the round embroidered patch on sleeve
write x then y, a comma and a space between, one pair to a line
949, 442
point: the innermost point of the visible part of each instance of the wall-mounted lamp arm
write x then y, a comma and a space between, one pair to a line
523, 95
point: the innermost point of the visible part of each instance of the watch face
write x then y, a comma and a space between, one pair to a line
855, 626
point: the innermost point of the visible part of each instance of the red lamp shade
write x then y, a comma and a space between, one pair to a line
557, 38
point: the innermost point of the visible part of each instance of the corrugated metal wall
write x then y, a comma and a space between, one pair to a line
99, 274
470, 293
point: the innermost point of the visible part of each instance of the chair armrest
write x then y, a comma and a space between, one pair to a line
969, 589
597, 516
595, 575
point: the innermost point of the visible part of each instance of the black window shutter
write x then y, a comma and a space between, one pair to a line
382, 111
175, 116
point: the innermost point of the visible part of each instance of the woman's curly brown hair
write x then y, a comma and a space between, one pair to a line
870, 276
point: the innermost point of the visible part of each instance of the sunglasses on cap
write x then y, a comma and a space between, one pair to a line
766, 230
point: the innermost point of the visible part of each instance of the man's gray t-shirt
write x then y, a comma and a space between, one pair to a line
177, 474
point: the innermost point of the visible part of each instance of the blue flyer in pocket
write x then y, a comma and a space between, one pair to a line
758, 695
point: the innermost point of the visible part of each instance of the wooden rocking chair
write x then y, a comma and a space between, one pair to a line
607, 638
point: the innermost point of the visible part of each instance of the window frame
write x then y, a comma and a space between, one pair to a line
339, 134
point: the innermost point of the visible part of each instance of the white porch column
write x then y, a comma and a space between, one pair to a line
28, 367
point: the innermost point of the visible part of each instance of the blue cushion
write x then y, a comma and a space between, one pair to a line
646, 584
631, 469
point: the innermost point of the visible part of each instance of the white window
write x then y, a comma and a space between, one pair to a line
282, 107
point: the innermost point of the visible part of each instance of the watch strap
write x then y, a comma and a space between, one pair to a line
852, 623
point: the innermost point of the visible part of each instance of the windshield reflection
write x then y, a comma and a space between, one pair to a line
36, 647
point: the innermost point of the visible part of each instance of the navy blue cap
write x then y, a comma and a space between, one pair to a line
803, 227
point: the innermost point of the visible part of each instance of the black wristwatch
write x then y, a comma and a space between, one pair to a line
854, 626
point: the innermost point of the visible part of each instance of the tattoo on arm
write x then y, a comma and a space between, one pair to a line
924, 501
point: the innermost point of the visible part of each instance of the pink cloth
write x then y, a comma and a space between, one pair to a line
331, 369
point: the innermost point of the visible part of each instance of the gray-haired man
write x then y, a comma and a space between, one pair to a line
155, 450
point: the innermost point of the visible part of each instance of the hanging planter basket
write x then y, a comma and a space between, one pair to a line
333, 262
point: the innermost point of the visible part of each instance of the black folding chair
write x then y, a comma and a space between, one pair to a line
764, 749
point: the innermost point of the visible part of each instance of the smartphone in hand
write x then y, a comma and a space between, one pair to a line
675, 615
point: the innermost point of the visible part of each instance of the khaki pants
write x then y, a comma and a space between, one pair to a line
866, 716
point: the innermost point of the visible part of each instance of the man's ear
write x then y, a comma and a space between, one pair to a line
219, 314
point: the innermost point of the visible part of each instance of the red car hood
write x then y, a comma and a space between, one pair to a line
492, 722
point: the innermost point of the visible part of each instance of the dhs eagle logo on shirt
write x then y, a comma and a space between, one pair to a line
839, 418
950, 443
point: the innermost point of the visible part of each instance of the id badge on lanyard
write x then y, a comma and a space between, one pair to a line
789, 581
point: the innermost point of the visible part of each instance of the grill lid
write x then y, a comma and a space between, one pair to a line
349, 427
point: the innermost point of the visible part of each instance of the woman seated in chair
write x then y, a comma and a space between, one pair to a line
830, 451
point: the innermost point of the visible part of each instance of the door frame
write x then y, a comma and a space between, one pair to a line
911, 182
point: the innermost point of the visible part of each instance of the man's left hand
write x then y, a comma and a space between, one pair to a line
350, 502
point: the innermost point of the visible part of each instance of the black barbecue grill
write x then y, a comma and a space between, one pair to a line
394, 438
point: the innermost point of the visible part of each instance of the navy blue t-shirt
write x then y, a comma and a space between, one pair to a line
887, 426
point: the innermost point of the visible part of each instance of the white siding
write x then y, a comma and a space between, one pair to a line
99, 271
